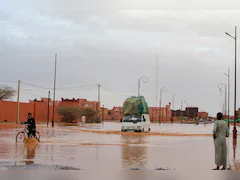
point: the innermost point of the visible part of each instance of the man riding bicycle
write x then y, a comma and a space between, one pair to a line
31, 125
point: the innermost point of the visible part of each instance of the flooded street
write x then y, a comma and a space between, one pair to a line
67, 147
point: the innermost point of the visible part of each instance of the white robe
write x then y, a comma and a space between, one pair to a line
220, 131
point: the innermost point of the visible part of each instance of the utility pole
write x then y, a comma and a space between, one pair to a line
225, 99
160, 102
54, 92
103, 114
235, 84
181, 110
235, 88
224, 108
228, 94
156, 79
228, 75
160, 106
18, 97
173, 101
99, 97
48, 108
138, 87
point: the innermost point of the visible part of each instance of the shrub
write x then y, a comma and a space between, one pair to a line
70, 114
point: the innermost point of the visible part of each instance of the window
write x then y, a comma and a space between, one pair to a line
86, 105
116, 110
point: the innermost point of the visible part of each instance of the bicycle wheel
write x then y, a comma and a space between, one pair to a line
37, 136
20, 137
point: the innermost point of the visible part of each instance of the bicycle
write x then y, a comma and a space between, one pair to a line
21, 135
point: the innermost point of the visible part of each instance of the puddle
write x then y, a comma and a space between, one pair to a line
164, 169
2, 163
38, 167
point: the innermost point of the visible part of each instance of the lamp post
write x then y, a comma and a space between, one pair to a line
160, 102
145, 80
225, 98
235, 84
228, 75
181, 108
173, 114
102, 113
173, 101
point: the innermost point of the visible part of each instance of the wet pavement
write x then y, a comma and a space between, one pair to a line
67, 147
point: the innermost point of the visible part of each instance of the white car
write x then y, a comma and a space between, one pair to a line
137, 123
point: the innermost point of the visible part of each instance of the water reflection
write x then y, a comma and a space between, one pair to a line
134, 151
31, 151
234, 148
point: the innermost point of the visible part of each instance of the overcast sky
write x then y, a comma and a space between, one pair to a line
115, 43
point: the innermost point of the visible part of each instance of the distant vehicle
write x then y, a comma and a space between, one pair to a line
137, 123
135, 115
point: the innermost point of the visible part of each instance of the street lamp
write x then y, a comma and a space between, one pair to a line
225, 98
235, 84
181, 107
145, 80
102, 113
163, 89
174, 113
228, 75
173, 101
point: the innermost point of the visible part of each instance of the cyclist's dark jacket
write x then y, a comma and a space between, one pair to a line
31, 123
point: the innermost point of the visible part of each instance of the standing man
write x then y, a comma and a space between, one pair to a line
220, 132
31, 125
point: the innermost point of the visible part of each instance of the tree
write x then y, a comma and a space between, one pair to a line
91, 115
6, 92
69, 114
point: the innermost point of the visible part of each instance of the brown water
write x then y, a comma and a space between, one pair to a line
70, 148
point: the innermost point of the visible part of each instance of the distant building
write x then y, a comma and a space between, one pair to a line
203, 115
82, 103
178, 113
191, 112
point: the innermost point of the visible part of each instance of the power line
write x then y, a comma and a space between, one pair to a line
33, 94
8, 81
114, 92
40, 90
77, 87
41, 87
35, 86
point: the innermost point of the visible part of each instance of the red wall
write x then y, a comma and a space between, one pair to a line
8, 111
39, 110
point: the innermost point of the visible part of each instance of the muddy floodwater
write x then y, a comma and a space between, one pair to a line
83, 147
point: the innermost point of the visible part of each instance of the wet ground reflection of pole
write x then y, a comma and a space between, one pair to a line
234, 148
52, 151
134, 152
